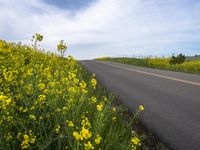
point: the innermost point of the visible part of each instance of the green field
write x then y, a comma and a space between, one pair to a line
190, 66
51, 102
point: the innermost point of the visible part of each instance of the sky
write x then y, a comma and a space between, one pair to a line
100, 28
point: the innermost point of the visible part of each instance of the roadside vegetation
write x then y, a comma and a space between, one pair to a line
175, 63
51, 102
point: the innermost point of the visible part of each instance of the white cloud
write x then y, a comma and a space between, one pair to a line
107, 27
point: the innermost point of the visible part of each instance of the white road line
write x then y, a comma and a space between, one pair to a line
153, 74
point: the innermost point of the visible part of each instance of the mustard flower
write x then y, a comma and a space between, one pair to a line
4, 101
85, 122
70, 123
135, 142
141, 108
93, 83
114, 118
27, 140
99, 107
77, 136
98, 139
93, 99
32, 117
41, 86
57, 129
41, 98
114, 109
85, 133
88, 146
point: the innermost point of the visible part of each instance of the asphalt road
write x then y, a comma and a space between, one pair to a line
171, 99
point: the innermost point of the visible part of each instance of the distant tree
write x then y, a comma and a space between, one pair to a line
36, 38
177, 59
181, 58
62, 48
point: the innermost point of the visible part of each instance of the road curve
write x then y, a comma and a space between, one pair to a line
171, 99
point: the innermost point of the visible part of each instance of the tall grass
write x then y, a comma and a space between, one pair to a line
190, 66
50, 102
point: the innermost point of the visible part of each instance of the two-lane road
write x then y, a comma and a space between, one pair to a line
171, 99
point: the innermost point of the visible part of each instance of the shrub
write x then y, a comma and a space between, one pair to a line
178, 59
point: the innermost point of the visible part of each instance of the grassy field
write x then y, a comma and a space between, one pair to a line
192, 66
51, 102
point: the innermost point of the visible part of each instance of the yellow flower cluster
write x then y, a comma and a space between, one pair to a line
88, 146
57, 129
141, 108
94, 83
32, 117
85, 122
4, 101
93, 99
28, 138
70, 123
135, 143
54, 99
100, 107
84, 133
98, 139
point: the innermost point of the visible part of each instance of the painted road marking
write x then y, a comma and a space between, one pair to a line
153, 74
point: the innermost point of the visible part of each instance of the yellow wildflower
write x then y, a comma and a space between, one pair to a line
4, 101
114, 119
64, 108
135, 141
41, 98
77, 135
25, 110
27, 140
30, 71
32, 117
94, 83
57, 129
100, 107
141, 108
85, 133
51, 84
72, 90
58, 110
70, 123
114, 109
88, 146
82, 85
93, 99
85, 122
32, 140
98, 139
41, 86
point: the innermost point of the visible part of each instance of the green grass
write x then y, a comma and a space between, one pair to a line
190, 66
50, 102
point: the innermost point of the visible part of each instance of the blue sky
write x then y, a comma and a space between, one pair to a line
98, 28
72, 5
